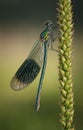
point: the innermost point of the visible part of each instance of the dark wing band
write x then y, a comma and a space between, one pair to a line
25, 74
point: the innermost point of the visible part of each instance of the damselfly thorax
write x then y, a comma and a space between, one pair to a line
36, 60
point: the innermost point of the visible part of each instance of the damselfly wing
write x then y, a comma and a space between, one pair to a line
30, 68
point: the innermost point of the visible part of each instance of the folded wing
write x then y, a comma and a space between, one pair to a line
30, 68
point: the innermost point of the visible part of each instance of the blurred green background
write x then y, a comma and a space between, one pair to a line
21, 22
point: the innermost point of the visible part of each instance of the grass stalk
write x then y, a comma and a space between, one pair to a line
65, 63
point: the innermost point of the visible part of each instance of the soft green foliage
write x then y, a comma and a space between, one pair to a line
65, 64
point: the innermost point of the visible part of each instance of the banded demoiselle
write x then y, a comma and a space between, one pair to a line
36, 60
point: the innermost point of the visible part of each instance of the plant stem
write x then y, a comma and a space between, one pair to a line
65, 64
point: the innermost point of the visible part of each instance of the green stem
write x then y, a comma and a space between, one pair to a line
65, 63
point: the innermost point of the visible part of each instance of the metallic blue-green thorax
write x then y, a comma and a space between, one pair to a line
45, 35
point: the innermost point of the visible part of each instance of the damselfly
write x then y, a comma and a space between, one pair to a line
36, 60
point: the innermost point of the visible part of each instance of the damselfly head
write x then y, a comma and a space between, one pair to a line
50, 24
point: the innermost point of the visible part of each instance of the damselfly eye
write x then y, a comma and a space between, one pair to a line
48, 23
